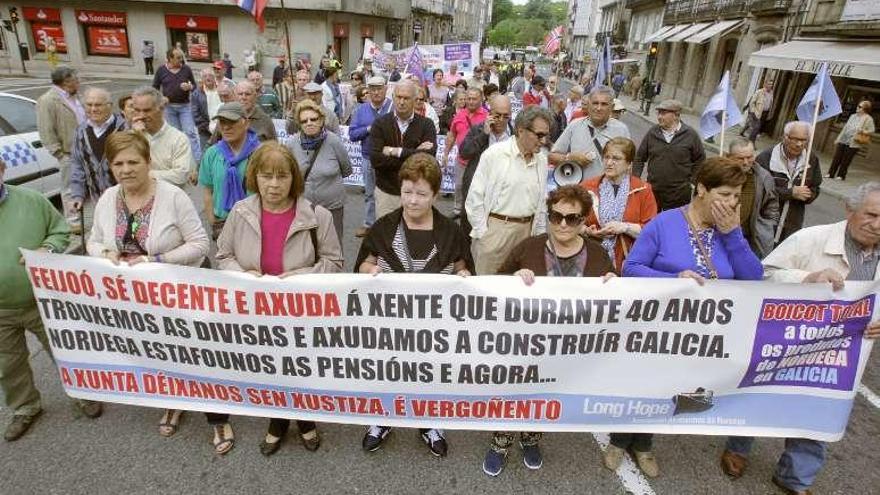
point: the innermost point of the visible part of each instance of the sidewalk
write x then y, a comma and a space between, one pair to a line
858, 173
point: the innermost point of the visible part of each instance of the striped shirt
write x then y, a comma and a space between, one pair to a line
407, 258
862, 265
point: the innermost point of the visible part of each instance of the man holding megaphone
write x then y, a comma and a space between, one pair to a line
582, 141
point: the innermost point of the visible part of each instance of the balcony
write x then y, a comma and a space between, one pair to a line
770, 7
678, 11
436, 7
733, 9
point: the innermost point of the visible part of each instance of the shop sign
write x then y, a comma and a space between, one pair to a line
340, 30
192, 22
107, 41
40, 14
197, 46
43, 31
837, 69
101, 18
367, 31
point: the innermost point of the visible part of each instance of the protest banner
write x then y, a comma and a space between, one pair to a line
482, 353
465, 55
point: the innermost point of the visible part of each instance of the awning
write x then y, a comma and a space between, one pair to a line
675, 30
656, 33
625, 61
696, 28
719, 29
860, 60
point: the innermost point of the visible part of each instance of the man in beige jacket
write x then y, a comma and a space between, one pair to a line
59, 112
760, 105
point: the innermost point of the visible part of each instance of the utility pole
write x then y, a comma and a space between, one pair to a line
287, 36
13, 19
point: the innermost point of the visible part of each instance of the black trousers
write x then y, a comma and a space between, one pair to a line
639, 442
278, 427
843, 156
148, 65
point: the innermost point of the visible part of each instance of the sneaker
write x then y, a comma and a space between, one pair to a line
89, 408
647, 463
495, 461
435, 441
532, 457
19, 425
374, 437
613, 457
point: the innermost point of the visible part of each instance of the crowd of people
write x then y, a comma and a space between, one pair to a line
657, 208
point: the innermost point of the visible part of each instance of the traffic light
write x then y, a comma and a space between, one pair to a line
13, 15
652, 52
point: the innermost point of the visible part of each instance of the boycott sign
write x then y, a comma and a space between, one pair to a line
482, 353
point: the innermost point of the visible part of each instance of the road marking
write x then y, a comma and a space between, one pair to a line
31, 88
869, 394
630, 476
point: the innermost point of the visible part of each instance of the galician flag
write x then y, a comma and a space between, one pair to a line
821, 93
722, 102
254, 8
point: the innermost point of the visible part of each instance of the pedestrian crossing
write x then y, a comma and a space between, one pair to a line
22, 84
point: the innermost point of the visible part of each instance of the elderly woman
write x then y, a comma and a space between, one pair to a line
279, 232
458, 100
147, 220
562, 252
438, 92
702, 240
424, 109
415, 238
622, 203
323, 160
855, 134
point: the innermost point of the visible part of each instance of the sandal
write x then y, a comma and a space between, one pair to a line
310, 439
269, 447
224, 438
169, 422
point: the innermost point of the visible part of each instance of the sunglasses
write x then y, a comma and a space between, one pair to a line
309, 121
540, 135
556, 218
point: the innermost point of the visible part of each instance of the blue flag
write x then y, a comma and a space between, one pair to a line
821, 92
722, 101
603, 67
414, 64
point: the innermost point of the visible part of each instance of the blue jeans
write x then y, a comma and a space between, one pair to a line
798, 465
180, 116
369, 193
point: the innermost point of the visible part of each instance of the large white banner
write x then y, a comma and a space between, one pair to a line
465, 55
484, 353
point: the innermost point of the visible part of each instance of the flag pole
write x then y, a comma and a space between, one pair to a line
816, 108
723, 125
287, 37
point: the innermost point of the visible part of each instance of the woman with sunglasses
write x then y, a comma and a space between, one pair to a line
415, 238
143, 220
323, 161
561, 252
277, 231
702, 240
622, 203
423, 108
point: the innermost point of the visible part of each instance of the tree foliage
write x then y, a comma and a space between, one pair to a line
521, 25
501, 10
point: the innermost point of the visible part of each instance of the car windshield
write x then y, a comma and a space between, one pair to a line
20, 114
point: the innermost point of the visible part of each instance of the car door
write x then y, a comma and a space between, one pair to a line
28, 162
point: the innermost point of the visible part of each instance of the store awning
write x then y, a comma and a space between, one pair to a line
694, 29
859, 60
651, 37
625, 61
672, 32
717, 29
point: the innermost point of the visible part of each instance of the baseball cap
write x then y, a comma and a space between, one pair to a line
218, 64
618, 105
669, 105
312, 87
376, 81
230, 111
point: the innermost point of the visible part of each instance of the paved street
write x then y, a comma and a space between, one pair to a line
122, 452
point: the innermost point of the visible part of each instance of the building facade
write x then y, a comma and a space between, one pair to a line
582, 16
107, 36
431, 23
646, 18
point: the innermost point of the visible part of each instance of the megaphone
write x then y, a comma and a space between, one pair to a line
568, 173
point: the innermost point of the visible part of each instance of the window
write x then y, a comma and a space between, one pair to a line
20, 114
106, 33
198, 46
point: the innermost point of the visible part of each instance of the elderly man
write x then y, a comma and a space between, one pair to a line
59, 112
393, 138
219, 69
315, 92
266, 98
759, 207
229, 155
170, 155
279, 70
176, 81
760, 105
205, 101
583, 140
505, 203
574, 102
671, 150
834, 253
496, 128
367, 68
366, 113
786, 162
89, 173
472, 114
331, 96
246, 94
27, 220
452, 75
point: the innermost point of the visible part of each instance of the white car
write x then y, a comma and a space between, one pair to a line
27, 162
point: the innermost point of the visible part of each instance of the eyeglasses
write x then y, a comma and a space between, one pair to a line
310, 120
420, 99
540, 135
501, 115
556, 218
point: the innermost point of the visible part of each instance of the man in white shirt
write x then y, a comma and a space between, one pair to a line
170, 154
505, 204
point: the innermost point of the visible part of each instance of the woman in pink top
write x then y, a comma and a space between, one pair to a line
279, 232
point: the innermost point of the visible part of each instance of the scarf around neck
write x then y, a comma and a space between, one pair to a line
233, 187
611, 208
310, 143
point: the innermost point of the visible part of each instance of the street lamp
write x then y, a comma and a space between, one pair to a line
22, 50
